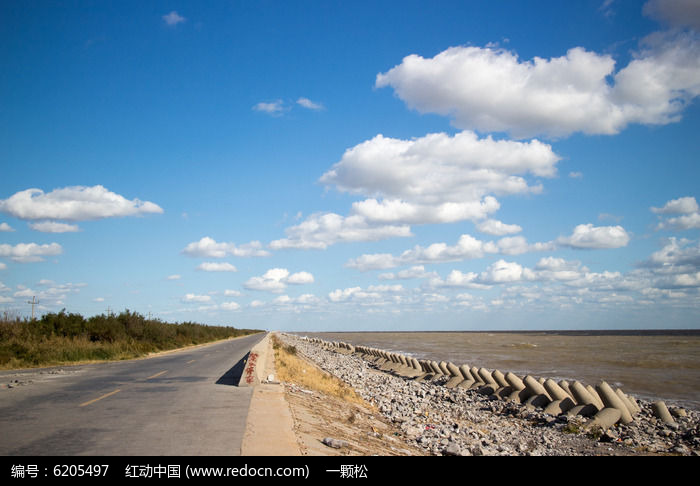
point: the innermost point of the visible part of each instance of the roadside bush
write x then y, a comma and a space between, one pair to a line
62, 337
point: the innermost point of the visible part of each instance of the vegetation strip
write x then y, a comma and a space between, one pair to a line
65, 338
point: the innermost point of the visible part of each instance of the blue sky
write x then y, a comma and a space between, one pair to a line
353, 165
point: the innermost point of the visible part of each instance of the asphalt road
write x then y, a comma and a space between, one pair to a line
178, 403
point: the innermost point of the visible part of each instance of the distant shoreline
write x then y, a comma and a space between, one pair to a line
580, 332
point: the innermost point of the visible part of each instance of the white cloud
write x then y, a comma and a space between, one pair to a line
321, 230
687, 209
558, 269
505, 272
196, 298
230, 306
6, 227
300, 278
517, 245
216, 267
491, 90
208, 248
232, 293
467, 247
414, 272
457, 278
29, 252
311, 105
173, 18
589, 236
54, 227
76, 203
498, 228
373, 295
274, 108
682, 205
438, 177
174, 277
275, 280
304, 300
677, 256
433, 179
49, 294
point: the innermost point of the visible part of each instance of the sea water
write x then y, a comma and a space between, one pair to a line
650, 365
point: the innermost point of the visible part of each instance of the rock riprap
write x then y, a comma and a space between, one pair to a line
464, 410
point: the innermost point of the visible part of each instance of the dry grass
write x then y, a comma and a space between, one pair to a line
292, 368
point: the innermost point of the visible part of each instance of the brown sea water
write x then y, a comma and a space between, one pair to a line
651, 365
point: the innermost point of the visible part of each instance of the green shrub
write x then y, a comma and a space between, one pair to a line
59, 338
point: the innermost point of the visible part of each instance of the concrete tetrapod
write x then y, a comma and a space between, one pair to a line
519, 392
604, 419
661, 412
611, 400
456, 376
562, 401
468, 378
538, 396
499, 378
628, 403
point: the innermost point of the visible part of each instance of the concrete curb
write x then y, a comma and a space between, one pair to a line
259, 360
270, 425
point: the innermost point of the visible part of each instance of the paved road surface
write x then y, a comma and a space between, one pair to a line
179, 403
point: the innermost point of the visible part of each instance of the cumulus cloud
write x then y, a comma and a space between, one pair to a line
173, 18
685, 211
374, 294
458, 279
75, 203
589, 236
274, 108
209, 248
6, 227
231, 306
491, 90
216, 267
505, 272
438, 177
558, 269
48, 293
677, 256
275, 280
29, 252
300, 278
321, 230
498, 228
196, 298
54, 227
466, 248
417, 271
311, 105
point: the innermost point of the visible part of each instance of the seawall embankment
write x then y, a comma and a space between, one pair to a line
451, 409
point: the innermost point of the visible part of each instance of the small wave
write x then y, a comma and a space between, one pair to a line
521, 345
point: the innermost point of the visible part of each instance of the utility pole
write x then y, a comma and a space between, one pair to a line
33, 302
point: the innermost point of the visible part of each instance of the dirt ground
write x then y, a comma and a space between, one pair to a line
358, 429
